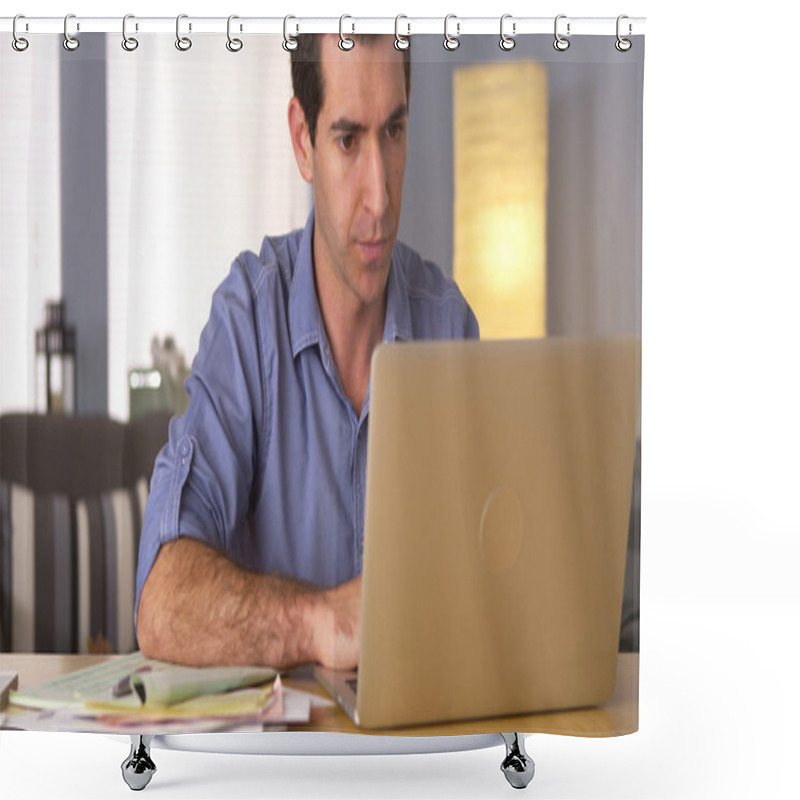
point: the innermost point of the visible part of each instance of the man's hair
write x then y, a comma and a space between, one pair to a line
307, 74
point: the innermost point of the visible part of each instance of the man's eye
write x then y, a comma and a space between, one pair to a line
394, 129
347, 142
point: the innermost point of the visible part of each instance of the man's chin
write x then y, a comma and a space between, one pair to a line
374, 278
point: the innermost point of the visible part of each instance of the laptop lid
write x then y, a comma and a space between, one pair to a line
499, 480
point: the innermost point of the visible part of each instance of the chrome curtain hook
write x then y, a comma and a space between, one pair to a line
70, 42
289, 42
183, 43
401, 42
234, 45
129, 43
451, 42
507, 42
19, 43
344, 42
623, 45
561, 43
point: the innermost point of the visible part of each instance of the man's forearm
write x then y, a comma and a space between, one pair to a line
199, 608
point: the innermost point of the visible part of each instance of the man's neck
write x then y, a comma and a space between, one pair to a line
354, 329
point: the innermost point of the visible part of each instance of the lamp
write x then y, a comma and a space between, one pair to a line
500, 153
55, 363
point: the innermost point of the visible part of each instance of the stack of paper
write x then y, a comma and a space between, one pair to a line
137, 693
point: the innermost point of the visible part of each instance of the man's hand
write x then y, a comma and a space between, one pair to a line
338, 626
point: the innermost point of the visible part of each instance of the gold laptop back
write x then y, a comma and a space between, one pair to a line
499, 480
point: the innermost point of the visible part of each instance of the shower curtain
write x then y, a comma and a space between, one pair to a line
133, 176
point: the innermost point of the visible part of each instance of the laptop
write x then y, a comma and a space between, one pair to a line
498, 495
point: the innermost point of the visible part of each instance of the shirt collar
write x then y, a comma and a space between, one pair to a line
398, 308
306, 327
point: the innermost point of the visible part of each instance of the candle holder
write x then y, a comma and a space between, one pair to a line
55, 363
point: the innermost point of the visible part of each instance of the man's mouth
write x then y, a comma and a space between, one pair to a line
373, 249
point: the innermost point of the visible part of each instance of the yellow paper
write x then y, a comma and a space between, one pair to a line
237, 703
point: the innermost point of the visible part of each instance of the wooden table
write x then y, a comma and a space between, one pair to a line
619, 716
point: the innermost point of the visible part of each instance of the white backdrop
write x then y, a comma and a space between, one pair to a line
719, 698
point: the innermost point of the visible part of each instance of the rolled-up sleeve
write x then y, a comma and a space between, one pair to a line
203, 476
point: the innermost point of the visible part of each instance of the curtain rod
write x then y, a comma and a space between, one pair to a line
455, 25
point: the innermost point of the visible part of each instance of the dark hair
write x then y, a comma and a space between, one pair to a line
307, 74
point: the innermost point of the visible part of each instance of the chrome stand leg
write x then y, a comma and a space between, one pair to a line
517, 766
138, 768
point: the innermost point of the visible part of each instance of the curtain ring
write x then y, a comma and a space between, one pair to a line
234, 45
401, 42
289, 42
19, 43
623, 45
70, 42
507, 42
561, 43
129, 43
344, 42
183, 43
451, 42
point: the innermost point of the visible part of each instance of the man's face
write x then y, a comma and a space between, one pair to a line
358, 163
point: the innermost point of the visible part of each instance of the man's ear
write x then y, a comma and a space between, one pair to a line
301, 140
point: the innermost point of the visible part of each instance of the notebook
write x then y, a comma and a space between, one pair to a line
498, 494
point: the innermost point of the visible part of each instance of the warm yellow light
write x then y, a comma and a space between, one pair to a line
500, 151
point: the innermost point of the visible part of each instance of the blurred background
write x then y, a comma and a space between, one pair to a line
132, 180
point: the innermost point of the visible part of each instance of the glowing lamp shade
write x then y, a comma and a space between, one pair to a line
500, 152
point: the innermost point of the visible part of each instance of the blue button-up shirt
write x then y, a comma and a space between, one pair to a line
268, 464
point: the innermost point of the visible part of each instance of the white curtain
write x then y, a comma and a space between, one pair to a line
200, 167
30, 214
191, 183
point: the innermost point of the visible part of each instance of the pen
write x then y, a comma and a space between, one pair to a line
123, 687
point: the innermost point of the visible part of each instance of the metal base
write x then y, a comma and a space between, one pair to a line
517, 766
318, 743
138, 768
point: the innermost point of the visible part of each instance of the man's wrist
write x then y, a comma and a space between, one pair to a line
317, 623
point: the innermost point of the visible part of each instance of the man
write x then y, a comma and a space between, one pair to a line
253, 533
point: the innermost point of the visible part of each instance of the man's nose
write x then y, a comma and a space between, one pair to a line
375, 188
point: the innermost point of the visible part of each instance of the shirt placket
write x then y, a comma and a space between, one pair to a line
358, 453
